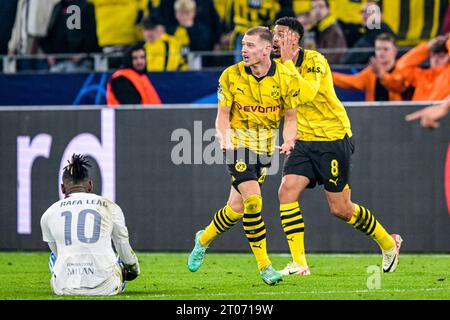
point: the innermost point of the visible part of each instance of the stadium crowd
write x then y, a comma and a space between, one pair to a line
349, 34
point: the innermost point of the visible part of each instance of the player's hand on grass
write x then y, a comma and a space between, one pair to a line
131, 271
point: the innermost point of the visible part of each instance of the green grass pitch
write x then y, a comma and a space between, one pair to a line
223, 276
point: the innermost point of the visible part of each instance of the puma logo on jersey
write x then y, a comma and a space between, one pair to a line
290, 239
255, 246
241, 90
334, 181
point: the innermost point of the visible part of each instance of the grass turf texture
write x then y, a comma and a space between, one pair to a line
164, 276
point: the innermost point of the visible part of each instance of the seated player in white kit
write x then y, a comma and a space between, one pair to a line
79, 230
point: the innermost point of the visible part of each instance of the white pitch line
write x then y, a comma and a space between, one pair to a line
300, 292
337, 255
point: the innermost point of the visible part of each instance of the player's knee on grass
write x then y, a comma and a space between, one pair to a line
253, 204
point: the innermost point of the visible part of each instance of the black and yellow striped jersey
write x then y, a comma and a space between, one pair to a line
221, 8
257, 105
251, 13
321, 116
348, 11
414, 21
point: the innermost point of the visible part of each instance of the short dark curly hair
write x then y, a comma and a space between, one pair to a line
293, 24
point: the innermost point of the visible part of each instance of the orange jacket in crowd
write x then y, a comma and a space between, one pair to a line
366, 80
430, 84
140, 81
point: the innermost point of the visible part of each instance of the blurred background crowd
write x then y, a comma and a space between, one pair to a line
397, 45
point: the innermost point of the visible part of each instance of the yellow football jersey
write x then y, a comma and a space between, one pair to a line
249, 14
165, 54
321, 116
257, 105
414, 21
348, 11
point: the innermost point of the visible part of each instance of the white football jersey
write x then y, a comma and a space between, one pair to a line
82, 226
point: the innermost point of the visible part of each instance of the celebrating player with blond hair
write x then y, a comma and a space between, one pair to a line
253, 96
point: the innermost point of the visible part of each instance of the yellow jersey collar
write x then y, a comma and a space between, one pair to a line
270, 73
301, 56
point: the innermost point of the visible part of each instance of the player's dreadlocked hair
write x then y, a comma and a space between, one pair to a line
77, 169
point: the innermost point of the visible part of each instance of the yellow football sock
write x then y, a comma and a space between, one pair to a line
255, 230
365, 221
223, 220
293, 227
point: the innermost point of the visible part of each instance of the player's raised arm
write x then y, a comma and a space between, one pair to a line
310, 83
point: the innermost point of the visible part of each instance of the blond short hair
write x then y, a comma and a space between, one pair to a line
184, 5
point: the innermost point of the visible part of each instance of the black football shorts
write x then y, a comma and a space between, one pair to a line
245, 165
323, 162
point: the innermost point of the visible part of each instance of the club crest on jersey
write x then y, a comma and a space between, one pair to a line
240, 166
275, 94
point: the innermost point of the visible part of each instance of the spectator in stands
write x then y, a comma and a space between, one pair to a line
429, 116
446, 23
328, 33
432, 83
373, 26
130, 85
348, 15
206, 14
163, 50
118, 24
414, 21
63, 40
308, 41
188, 31
245, 14
7, 17
32, 18
192, 34
31, 23
372, 79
